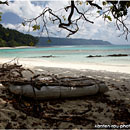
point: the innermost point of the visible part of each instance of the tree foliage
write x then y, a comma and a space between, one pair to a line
11, 38
115, 10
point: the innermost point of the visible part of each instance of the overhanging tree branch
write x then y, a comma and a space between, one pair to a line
5, 2
117, 9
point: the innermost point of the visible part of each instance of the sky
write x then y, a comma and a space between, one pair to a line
18, 10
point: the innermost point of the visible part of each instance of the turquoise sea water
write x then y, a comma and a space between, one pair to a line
73, 54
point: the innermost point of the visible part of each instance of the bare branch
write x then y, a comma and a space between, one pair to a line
95, 5
116, 9
5, 2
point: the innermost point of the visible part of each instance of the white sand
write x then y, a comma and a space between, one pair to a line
16, 47
37, 62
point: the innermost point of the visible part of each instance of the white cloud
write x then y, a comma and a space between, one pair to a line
98, 30
18, 27
24, 9
101, 30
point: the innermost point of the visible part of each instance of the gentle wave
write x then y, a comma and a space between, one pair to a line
72, 54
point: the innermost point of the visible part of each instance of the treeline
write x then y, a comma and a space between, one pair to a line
12, 38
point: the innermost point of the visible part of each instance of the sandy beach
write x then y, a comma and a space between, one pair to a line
1, 48
109, 110
44, 62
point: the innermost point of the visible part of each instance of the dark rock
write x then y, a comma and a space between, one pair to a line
48, 56
113, 55
94, 56
118, 55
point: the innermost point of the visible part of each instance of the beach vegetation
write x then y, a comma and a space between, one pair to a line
0, 16
12, 38
31, 44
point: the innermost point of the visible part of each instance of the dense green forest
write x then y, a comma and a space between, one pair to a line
12, 38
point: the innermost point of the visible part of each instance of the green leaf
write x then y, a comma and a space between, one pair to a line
36, 27
109, 18
98, 11
23, 23
31, 44
80, 2
104, 2
105, 16
7, 34
0, 18
49, 41
64, 17
111, 7
128, 4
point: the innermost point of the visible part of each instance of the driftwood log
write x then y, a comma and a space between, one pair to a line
43, 86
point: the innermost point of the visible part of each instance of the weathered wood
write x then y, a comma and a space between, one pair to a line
53, 92
48, 86
39, 83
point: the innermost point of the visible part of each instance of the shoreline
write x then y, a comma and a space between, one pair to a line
41, 62
19, 47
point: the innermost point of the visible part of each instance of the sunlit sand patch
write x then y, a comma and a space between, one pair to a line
118, 80
107, 77
41, 70
127, 99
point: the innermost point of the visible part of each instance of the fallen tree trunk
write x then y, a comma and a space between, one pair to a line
51, 92
43, 86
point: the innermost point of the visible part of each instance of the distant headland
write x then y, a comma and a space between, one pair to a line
54, 41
